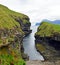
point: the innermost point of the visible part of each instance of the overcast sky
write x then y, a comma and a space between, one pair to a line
37, 10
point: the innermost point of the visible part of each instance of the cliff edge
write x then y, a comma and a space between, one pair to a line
13, 26
48, 41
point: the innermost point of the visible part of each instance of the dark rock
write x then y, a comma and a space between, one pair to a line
52, 46
25, 56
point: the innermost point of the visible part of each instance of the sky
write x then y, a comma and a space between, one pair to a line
37, 10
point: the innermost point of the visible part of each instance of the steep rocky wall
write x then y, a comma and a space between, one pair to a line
48, 41
24, 26
48, 48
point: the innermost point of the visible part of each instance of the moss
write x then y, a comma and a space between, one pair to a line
40, 47
47, 29
1, 41
10, 39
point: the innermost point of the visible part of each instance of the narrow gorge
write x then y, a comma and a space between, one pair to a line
29, 46
48, 41
23, 44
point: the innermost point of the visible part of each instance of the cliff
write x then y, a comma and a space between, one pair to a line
13, 26
48, 40
48, 29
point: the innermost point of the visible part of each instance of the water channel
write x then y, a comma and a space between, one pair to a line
29, 46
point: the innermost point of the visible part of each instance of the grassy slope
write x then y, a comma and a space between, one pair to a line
13, 58
10, 60
15, 14
47, 29
6, 17
8, 22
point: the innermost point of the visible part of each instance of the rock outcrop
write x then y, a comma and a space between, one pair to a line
13, 27
25, 26
48, 41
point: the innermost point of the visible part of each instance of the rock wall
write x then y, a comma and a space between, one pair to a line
25, 27
48, 44
50, 49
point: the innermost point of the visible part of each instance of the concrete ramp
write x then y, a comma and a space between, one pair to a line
42, 63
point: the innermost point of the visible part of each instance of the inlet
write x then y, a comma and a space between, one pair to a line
29, 46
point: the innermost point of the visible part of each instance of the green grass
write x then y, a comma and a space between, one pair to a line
8, 22
4, 11
7, 18
6, 59
9, 26
10, 56
47, 29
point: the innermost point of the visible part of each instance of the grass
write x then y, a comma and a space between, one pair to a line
10, 60
10, 56
5, 11
47, 29
6, 40
7, 18
8, 22
8, 27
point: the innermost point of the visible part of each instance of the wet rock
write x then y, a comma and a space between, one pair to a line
25, 56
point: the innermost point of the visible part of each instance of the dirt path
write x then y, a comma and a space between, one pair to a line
42, 63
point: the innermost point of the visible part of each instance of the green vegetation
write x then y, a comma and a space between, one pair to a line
10, 60
1, 41
40, 47
8, 15
47, 29
8, 24
6, 19
9, 27
10, 56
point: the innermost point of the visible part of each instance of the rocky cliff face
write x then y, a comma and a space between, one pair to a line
47, 41
24, 26
13, 26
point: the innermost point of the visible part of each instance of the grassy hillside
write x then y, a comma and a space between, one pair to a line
7, 18
8, 21
7, 12
9, 27
47, 29
14, 58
